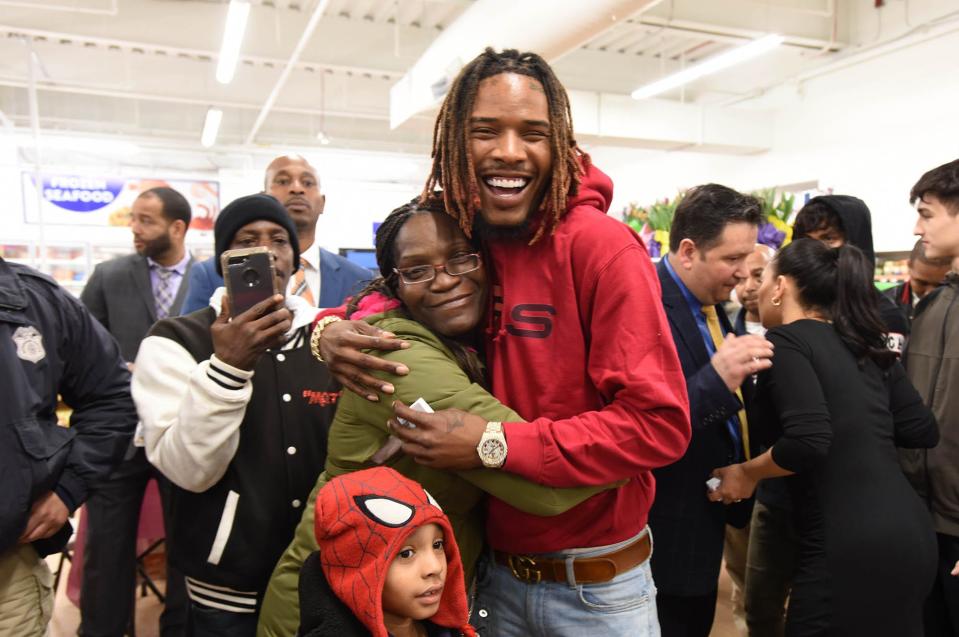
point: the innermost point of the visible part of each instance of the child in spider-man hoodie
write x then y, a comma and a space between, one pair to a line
388, 565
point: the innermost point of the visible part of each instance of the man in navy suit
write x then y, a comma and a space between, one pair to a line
325, 279
713, 232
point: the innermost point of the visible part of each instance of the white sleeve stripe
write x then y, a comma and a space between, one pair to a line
223, 379
217, 365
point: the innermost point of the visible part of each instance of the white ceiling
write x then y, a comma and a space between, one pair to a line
145, 68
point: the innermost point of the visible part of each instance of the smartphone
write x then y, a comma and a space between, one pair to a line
250, 277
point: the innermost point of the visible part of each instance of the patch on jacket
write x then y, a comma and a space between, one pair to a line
29, 344
322, 398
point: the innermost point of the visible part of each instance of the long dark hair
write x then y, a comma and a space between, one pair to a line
838, 283
452, 164
387, 283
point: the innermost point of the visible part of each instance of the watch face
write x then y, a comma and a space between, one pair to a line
493, 450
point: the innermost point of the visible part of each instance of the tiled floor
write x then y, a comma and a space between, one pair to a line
66, 616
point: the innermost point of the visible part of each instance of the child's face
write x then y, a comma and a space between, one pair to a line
414, 583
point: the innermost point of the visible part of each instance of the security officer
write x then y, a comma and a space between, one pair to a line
50, 345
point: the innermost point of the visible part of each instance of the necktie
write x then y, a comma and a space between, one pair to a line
712, 321
300, 288
164, 292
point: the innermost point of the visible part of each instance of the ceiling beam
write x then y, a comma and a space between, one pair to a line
204, 55
566, 27
33, 5
290, 65
732, 35
79, 89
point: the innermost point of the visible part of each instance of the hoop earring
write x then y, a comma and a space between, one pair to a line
777, 302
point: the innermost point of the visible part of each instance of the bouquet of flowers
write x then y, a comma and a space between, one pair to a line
653, 223
777, 231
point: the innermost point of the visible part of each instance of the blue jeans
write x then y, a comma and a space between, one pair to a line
622, 607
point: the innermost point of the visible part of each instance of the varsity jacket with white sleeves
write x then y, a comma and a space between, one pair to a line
242, 449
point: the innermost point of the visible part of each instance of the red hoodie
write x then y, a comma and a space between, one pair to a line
579, 345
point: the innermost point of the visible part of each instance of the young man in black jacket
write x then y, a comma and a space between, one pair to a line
840, 219
242, 453
50, 345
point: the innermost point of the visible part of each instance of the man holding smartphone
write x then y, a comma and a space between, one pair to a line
242, 454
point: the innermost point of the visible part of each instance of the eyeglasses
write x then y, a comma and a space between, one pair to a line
457, 266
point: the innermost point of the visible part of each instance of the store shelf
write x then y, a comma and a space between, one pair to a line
71, 264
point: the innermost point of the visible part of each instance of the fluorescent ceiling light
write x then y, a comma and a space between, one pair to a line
95, 145
211, 127
236, 17
712, 65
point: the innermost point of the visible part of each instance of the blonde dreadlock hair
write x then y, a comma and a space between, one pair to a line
453, 169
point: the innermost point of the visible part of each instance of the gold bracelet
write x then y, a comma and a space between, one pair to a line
318, 332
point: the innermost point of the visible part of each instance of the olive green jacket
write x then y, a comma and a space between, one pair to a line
358, 432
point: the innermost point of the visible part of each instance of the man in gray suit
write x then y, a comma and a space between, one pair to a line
128, 295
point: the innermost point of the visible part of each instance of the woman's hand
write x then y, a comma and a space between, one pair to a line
955, 569
341, 346
735, 485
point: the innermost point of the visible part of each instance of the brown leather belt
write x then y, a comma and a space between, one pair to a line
586, 570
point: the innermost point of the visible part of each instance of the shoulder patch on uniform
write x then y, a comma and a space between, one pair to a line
29, 344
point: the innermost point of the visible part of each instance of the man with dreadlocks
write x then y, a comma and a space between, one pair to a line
577, 343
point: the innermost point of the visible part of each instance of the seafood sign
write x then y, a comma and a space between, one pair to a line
106, 201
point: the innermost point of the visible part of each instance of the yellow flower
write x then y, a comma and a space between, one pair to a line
782, 226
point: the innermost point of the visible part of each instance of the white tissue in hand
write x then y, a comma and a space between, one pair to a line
419, 405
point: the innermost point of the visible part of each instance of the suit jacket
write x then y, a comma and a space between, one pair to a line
339, 279
202, 284
689, 529
739, 327
120, 296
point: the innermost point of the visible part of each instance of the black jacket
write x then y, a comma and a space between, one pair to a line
49, 345
255, 507
901, 296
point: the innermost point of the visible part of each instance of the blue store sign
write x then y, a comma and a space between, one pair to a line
81, 194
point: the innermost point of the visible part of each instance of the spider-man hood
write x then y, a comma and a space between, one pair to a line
362, 520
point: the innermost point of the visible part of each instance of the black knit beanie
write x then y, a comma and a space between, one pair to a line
244, 210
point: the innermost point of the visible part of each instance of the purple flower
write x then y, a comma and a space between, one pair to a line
654, 249
770, 236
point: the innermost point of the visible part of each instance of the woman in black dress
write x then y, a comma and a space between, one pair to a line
837, 404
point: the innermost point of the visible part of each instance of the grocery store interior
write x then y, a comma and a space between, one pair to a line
101, 100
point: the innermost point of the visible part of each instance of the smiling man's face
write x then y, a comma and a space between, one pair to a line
509, 143
293, 181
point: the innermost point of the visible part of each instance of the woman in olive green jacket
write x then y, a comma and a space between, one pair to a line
441, 307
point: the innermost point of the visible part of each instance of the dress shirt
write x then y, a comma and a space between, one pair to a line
312, 271
178, 271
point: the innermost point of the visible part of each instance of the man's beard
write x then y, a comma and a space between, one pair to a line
156, 247
486, 232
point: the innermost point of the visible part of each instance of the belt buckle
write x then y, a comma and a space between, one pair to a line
524, 569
